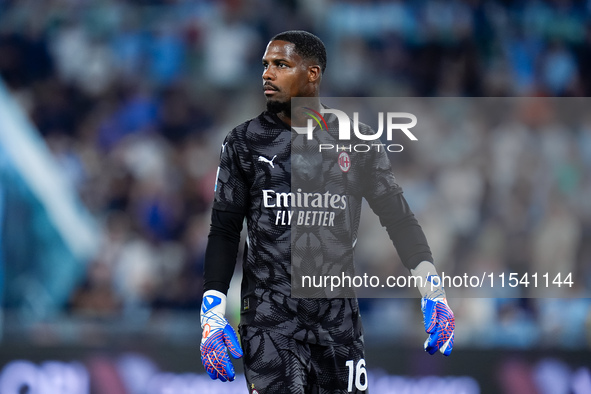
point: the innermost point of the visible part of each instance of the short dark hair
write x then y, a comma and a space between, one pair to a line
307, 45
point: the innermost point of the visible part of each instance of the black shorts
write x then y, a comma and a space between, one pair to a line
276, 364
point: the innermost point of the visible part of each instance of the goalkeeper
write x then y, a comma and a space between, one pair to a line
298, 345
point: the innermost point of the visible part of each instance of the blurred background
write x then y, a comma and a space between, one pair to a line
112, 113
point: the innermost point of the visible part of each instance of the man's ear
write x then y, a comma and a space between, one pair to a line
314, 73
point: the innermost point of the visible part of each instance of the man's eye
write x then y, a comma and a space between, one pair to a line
282, 65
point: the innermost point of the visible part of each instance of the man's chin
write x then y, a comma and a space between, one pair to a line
276, 107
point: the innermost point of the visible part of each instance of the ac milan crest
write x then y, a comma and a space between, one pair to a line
344, 161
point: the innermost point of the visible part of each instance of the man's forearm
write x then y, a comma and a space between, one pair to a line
222, 249
404, 230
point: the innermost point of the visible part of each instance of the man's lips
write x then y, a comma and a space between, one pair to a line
269, 89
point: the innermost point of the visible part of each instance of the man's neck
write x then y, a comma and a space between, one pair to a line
284, 117
298, 116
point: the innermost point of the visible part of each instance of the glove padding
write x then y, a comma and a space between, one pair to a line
218, 337
439, 324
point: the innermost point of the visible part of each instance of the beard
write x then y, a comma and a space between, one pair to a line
276, 107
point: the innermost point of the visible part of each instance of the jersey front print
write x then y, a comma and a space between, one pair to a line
293, 196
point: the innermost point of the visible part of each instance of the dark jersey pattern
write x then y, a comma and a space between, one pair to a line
343, 172
279, 364
255, 179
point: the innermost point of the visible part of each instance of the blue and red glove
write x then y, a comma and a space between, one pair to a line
439, 324
438, 318
218, 337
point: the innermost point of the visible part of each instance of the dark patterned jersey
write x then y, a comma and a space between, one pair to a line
302, 207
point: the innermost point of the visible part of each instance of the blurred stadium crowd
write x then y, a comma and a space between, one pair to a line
133, 98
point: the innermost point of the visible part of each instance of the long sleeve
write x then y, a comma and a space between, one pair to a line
403, 229
222, 249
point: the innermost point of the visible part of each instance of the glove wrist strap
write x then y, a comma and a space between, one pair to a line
430, 285
214, 302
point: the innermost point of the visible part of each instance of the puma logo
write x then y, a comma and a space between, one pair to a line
269, 162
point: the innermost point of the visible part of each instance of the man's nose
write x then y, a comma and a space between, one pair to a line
268, 74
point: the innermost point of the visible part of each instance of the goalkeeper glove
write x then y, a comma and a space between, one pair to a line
437, 316
218, 337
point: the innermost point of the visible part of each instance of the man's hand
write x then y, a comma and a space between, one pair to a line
439, 324
218, 337
438, 318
